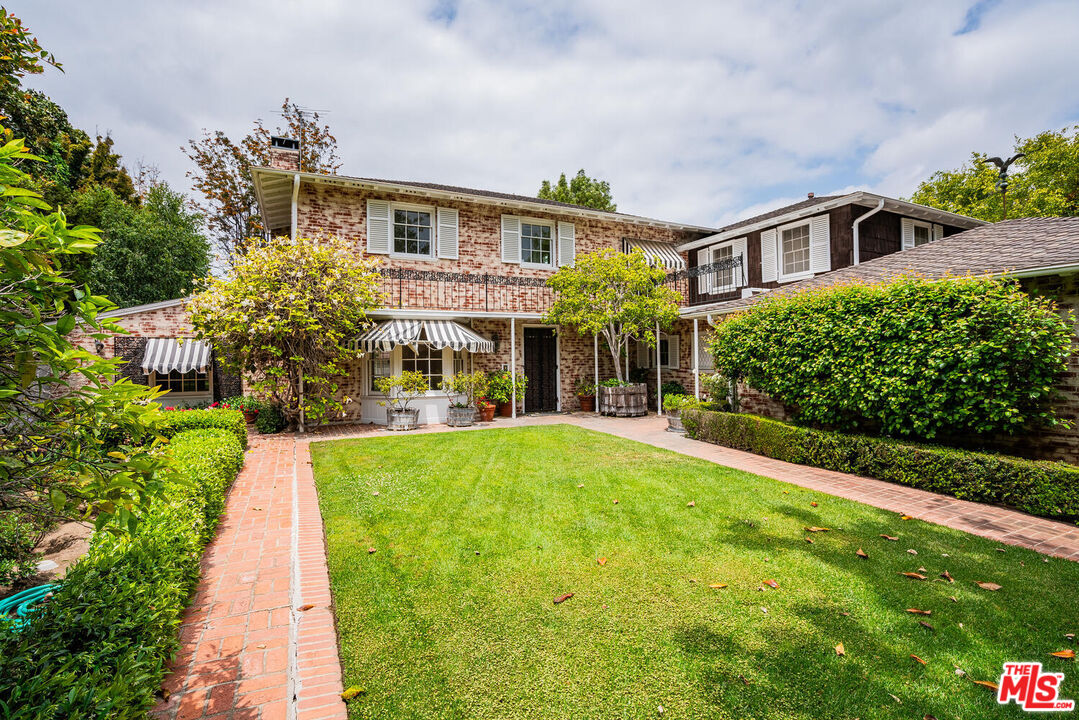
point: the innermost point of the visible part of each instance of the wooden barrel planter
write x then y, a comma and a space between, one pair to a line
627, 401
460, 416
402, 419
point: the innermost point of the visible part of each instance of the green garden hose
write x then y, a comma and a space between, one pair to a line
16, 610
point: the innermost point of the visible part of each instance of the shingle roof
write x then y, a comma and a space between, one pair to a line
486, 193
1015, 246
809, 202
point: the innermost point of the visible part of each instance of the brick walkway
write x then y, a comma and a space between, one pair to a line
250, 653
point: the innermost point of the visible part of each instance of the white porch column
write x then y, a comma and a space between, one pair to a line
627, 360
513, 363
696, 362
595, 359
659, 375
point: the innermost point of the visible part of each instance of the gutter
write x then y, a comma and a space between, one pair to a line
857, 222
295, 197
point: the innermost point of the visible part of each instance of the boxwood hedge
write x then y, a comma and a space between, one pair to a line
178, 421
99, 648
1049, 489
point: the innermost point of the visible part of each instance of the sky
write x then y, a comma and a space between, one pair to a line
701, 113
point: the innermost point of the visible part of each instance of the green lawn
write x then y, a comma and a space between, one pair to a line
477, 532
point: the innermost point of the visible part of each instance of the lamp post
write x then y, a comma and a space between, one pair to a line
1002, 177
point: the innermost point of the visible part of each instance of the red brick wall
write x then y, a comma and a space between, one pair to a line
163, 322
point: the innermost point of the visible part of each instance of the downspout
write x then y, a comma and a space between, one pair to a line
857, 246
295, 204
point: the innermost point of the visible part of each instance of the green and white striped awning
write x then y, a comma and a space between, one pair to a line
165, 355
658, 253
436, 333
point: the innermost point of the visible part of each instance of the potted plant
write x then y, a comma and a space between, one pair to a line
462, 389
487, 410
586, 394
673, 405
400, 390
500, 389
246, 404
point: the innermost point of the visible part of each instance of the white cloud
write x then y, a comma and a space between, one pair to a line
694, 112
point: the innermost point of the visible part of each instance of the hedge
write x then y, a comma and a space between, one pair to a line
99, 648
1049, 489
178, 421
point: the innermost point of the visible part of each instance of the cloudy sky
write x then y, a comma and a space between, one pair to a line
699, 112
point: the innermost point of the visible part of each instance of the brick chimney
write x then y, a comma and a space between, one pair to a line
809, 195
284, 153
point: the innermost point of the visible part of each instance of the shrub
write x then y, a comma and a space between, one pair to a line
270, 420
18, 536
178, 421
673, 387
500, 386
908, 358
1049, 489
99, 648
673, 403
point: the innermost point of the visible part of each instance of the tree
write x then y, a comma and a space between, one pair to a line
152, 251
617, 295
20, 53
1044, 183
581, 190
286, 314
222, 173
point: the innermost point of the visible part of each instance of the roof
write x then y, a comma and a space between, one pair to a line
274, 187
817, 205
135, 309
1026, 247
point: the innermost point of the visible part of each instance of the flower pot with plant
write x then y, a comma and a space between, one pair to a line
400, 391
247, 404
500, 389
486, 409
586, 395
462, 390
673, 405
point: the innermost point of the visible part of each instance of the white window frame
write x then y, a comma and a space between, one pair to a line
708, 283
521, 222
780, 273
433, 211
650, 352
397, 364
921, 224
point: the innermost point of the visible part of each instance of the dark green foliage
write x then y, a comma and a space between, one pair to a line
581, 190
1048, 489
270, 419
17, 538
673, 387
98, 649
178, 421
909, 358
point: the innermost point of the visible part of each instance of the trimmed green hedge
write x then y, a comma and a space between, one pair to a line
1049, 489
180, 420
99, 648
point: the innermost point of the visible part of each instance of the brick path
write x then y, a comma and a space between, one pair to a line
250, 653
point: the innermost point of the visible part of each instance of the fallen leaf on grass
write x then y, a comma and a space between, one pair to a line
906, 517
959, 671
816, 529
764, 610
813, 504
953, 598
893, 697
615, 502
602, 561
581, 485
840, 650
1070, 636
912, 551
924, 624
718, 586
918, 659
691, 503
947, 576
914, 575
862, 554
772, 584
810, 540
562, 598
1066, 654
922, 570
890, 537
352, 692
986, 683
370, 550
916, 611
745, 680
989, 586
305, 608
929, 717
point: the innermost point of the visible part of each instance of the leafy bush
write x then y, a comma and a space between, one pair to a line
18, 536
270, 420
615, 382
673, 403
243, 403
500, 386
908, 358
673, 387
99, 648
177, 421
1049, 489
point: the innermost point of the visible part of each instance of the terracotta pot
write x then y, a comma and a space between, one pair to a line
487, 413
250, 415
588, 402
505, 409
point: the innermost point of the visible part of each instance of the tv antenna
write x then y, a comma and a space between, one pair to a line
305, 113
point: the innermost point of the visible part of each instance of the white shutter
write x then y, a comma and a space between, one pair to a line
906, 227
820, 244
769, 262
672, 351
567, 243
447, 233
378, 227
938, 232
704, 282
511, 239
741, 275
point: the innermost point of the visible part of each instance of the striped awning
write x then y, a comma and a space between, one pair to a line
164, 355
658, 253
436, 333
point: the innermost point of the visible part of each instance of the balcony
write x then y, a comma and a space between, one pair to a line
482, 292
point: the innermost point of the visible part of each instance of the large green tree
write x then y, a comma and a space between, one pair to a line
618, 296
581, 190
1044, 183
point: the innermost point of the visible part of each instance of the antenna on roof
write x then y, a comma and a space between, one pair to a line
306, 113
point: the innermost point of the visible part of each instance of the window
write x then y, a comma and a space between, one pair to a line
704, 355
794, 244
412, 233
922, 234
423, 359
459, 361
668, 353
723, 279
188, 382
380, 367
536, 244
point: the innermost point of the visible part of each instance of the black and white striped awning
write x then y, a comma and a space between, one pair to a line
436, 333
164, 355
660, 254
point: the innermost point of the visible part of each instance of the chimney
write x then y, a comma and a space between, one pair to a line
809, 195
284, 153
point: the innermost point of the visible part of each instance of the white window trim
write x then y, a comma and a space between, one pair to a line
736, 276
396, 365
921, 224
650, 352
433, 255
522, 221
780, 275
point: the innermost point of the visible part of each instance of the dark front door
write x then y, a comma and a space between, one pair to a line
541, 369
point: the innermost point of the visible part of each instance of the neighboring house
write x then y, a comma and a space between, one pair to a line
1042, 253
